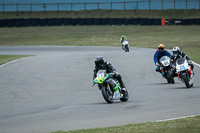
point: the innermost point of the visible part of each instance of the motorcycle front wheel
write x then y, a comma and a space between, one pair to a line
186, 80
126, 48
170, 78
107, 95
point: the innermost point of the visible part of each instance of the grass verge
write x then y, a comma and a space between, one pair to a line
7, 58
186, 125
186, 37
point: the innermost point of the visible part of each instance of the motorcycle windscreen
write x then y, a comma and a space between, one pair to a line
165, 60
180, 61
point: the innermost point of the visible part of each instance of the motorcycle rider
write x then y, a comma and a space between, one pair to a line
100, 64
159, 54
177, 53
122, 39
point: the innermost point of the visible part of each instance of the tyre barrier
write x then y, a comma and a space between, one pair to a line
34, 21
20, 22
42, 22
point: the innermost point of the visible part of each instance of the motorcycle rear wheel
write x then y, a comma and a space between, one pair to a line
125, 96
106, 95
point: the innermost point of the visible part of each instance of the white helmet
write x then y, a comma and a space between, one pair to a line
175, 51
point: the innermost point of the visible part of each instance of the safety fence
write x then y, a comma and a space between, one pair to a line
130, 5
94, 21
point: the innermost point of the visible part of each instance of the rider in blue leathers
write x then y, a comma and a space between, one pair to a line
159, 54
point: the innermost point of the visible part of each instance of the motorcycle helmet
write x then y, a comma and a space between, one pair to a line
161, 47
99, 61
122, 38
175, 51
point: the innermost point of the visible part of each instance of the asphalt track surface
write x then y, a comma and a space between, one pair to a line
53, 91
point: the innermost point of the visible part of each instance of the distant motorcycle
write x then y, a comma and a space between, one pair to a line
184, 72
110, 88
167, 69
125, 46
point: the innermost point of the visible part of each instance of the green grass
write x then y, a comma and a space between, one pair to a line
6, 58
186, 37
186, 125
169, 14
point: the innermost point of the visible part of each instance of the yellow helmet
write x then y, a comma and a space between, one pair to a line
161, 47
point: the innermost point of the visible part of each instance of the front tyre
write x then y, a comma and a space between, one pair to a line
170, 78
125, 96
126, 48
186, 80
107, 95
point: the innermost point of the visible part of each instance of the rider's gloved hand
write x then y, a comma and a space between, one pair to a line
189, 61
112, 74
157, 69
115, 72
157, 64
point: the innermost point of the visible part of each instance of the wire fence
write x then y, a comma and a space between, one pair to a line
131, 5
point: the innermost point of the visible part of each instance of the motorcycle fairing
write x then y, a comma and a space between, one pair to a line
100, 78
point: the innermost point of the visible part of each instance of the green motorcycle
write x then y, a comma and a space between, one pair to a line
110, 87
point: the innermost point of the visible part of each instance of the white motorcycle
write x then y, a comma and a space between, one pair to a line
125, 46
184, 71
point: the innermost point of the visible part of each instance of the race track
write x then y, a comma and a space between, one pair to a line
53, 91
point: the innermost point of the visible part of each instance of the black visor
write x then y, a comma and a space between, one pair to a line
98, 63
160, 49
175, 52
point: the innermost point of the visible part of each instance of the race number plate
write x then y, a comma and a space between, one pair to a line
182, 67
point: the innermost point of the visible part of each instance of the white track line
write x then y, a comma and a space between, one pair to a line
177, 118
196, 64
11, 62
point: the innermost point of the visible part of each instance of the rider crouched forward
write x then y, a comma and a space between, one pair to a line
158, 55
100, 64
177, 53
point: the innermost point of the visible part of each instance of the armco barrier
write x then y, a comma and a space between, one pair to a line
20, 22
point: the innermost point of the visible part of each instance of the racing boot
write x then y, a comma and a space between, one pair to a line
123, 86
